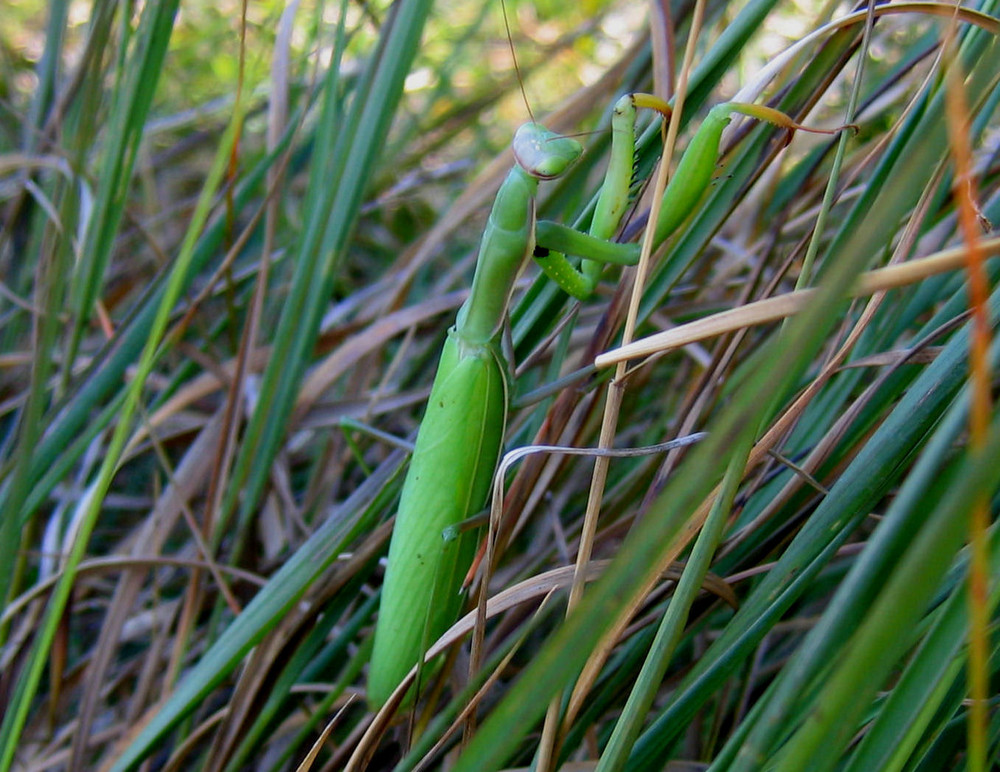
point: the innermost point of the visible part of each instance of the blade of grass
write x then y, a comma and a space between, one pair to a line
139, 77
907, 715
852, 602
281, 592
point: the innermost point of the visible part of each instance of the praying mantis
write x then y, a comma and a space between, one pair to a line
461, 435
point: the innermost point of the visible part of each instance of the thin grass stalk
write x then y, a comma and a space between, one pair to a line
805, 275
966, 193
13, 538
548, 747
302, 296
47, 72
671, 627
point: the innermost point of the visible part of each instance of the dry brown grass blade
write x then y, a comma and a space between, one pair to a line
115, 565
194, 740
371, 340
782, 306
319, 379
466, 719
752, 90
265, 663
822, 449
310, 758
236, 392
837, 359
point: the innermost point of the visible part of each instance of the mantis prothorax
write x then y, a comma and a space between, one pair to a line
461, 435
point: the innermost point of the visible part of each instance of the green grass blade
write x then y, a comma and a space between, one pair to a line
140, 75
274, 600
907, 715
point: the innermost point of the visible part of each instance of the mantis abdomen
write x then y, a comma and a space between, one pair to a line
448, 480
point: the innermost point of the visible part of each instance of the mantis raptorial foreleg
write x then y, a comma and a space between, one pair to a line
687, 186
461, 435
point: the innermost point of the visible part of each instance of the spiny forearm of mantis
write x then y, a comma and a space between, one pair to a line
461, 434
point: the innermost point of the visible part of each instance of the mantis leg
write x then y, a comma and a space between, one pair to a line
696, 167
684, 192
613, 200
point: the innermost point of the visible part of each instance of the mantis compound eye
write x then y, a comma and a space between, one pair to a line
543, 153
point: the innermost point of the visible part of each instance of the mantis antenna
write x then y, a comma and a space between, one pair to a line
513, 56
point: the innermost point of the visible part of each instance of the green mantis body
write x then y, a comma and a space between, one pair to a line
461, 435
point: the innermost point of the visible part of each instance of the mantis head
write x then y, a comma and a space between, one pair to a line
542, 153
